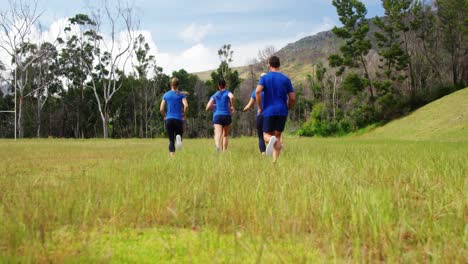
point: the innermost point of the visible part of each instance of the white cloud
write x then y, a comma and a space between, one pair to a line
194, 59
327, 24
198, 57
195, 33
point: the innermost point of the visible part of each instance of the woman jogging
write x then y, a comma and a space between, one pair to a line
175, 115
261, 141
223, 103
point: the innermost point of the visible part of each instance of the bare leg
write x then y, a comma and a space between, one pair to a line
267, 136
225, 137
277, 146
218, 132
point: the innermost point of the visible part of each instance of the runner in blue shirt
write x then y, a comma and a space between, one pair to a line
175, 115
222, 102
261, 141
278, 97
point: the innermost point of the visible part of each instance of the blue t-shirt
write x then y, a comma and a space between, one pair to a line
222, 100
174, 104
276, 87
254, 96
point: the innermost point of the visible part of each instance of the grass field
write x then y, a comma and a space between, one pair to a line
326, 200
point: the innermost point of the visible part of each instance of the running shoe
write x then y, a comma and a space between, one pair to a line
178, 143
270, 146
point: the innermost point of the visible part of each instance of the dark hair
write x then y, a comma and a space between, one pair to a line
274, 62
222, 83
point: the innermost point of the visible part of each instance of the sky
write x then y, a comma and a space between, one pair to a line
187, 34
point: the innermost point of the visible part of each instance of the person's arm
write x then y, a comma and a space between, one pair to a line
258, 94
161, 108
291, 95
249, 105
209, 105
185, 103
231, 100
291, 99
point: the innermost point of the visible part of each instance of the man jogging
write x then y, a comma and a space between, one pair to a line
278, 97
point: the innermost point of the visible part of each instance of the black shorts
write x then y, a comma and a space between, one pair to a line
274, 123
223, 120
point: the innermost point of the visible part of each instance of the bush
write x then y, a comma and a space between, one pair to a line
316, 125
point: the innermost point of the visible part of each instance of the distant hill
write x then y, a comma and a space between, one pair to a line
298, 58
445, 120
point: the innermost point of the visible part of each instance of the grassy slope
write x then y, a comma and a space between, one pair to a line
326, 199
444, 119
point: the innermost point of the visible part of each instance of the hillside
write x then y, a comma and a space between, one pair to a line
444, 120
297, 58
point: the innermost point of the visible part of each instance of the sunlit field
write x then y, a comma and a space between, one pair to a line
325, 200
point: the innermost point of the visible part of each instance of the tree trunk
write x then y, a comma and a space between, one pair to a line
135, 129
20, 117
368, 78
38, 131
333, 100
454, 69
146, 116
410, 69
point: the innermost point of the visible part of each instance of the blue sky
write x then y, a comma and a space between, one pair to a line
186, 34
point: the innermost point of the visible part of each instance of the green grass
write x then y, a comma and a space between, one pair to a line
326, 200
442, 120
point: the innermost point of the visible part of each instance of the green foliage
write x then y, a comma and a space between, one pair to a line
453, 22
188, 82
224, 71
317, 125
352, 14
353, 83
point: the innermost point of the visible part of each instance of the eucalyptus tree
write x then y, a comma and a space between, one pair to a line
76, 63
112, 52
45, 81
224, 71
151, 83
17, 23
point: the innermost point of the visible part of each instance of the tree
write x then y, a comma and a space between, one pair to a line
452, 15
424, 26
76, 61
147, 90
355, 33
112, 56
224, 71
17, 24
264, 55
225, 55
389, 38
45, 79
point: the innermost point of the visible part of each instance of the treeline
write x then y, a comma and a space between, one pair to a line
387, 66
76, 86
